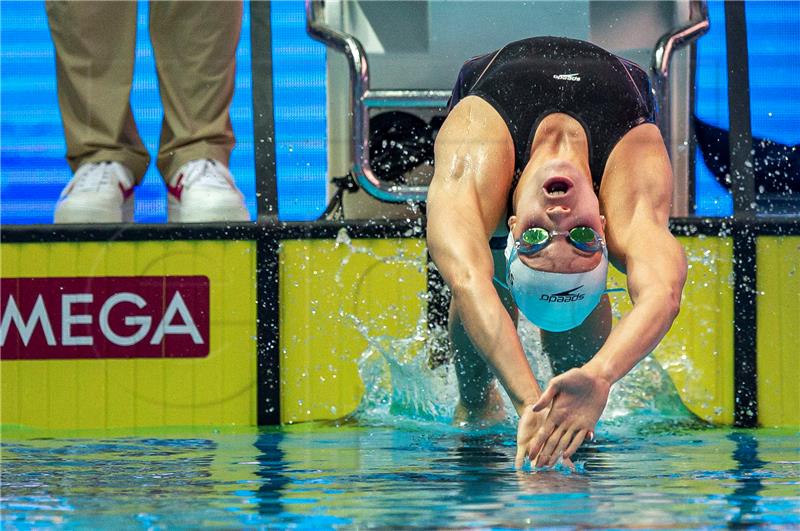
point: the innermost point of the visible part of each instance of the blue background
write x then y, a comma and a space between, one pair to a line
773, 34
33, 170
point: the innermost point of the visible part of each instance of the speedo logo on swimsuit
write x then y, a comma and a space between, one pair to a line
564, 296
568, 77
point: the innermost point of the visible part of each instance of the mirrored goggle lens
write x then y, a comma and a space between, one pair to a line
535, 236
533, 240
585, 239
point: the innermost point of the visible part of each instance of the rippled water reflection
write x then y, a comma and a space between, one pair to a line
413, 475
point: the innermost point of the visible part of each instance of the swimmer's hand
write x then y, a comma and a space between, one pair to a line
528, 445
573, 402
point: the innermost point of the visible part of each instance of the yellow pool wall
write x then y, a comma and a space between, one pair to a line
339, 300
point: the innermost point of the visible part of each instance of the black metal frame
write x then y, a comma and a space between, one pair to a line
744, 209
263, 110
268, 394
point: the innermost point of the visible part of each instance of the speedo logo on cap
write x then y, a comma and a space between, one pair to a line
564, 296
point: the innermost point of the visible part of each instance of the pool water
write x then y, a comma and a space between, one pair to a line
644, 472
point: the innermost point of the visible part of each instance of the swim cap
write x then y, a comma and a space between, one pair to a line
554, 301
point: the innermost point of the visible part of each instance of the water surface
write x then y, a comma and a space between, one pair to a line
645, 474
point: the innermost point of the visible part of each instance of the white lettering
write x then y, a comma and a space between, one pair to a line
38, 315
67, 319
176, 305
143, 321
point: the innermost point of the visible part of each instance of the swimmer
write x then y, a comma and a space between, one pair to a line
548, 167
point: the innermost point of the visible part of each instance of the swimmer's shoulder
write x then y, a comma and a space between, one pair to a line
636, 188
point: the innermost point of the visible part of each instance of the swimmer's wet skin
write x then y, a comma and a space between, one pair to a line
525, 147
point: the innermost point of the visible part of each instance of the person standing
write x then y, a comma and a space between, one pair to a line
194, 44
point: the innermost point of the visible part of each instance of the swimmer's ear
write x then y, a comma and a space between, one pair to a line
513, 221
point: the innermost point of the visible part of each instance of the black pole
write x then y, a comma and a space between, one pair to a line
263, 117
268, 389
744, 209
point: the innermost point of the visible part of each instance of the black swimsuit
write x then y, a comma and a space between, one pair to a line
529, 79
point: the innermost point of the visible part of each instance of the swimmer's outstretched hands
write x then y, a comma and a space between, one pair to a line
573, 403
530, 424
529, 440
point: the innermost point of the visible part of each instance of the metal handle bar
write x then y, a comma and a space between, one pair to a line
361, 99
697, 26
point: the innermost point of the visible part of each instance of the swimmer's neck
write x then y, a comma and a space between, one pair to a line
559, 136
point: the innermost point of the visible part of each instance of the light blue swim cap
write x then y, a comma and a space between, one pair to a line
555, 302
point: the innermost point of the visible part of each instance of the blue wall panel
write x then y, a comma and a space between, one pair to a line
298, 65
773, 33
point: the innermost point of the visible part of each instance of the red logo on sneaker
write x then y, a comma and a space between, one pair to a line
126, 192
176, 190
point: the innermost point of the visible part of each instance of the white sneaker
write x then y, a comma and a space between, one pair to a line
99, 192
203, 190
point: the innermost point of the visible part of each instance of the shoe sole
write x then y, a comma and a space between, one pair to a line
175, 214
72, 213
205, 218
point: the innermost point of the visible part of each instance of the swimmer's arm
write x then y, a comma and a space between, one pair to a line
467, 267
656, 276
466, 201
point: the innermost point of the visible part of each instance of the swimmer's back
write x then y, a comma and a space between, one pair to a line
529, 79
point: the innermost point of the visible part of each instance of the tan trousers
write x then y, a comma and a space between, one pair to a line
195, 50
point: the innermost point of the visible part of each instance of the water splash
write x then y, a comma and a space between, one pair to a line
398, 380
401, 384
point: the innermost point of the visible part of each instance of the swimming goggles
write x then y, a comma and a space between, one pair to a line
582, 238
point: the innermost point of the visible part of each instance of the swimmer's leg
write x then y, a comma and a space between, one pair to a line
479, 397
573, 348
